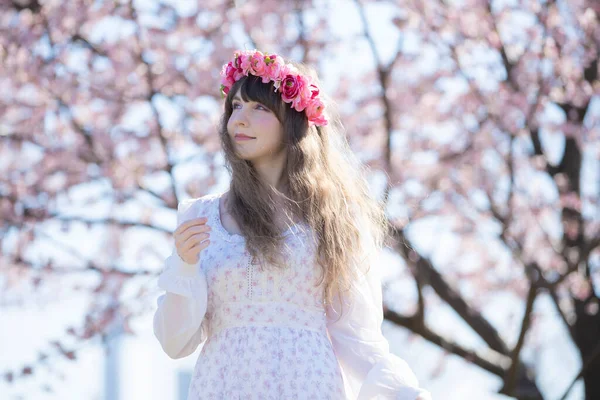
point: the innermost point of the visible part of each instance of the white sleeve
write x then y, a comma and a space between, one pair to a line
370, 370
181, 310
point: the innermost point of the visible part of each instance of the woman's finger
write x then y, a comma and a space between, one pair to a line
194, 230
194, 252
194, 240
190, 232
201, 246
192, 222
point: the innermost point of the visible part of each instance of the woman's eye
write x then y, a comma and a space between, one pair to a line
258, 106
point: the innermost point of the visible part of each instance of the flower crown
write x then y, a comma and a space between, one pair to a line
295, 88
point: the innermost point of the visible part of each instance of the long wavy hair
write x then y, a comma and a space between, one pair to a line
324, 187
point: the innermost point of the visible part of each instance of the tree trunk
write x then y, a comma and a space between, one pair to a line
587, 339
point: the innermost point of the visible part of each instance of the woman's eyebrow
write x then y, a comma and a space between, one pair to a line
237, 97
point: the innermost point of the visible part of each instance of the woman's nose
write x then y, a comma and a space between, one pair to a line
239, 117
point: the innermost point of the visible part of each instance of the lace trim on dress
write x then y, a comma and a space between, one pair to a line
217, 226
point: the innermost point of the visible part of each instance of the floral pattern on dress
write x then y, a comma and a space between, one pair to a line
257, 362
267, 327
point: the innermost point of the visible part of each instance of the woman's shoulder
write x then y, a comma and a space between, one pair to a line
196, 205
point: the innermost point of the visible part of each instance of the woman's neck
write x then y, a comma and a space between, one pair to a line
272, 172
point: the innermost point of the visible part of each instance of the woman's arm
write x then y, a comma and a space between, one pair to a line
363, 352
181, 310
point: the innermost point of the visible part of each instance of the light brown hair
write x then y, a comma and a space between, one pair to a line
325, 188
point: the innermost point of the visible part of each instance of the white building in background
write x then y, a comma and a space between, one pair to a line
137, 368
126, 368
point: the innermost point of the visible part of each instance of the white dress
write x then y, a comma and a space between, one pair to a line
267, 334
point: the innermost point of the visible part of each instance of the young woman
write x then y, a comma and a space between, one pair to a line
274, 276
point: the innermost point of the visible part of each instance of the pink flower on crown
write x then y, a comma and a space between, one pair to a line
295, 88
236, 59
273, 69
314, 112
305, 96
291, 86
309, 92
314, 90
238, 71
234, 71
245, 63
258, 66
227, 77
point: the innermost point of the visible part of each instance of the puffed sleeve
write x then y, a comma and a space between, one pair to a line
181, 310
370, 370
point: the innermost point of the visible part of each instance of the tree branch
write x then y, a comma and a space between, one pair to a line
108, 221
489, 360
472, 317
510, 380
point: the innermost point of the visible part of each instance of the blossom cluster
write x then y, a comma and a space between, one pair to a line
295, 88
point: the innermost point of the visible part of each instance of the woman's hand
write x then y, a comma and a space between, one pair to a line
190, 239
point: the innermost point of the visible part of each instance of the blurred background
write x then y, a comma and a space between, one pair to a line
480, 121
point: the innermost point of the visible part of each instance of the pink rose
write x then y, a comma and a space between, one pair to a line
245, 64
230, 70
236, 59
273, 60
273, 68
258, 66
227, 75
304, 94
291, 86
314, 112
300, 103
237, 72
320, 121
225, 69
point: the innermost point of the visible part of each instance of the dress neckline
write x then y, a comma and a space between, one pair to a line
217, 224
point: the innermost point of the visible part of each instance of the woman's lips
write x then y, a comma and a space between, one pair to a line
243, 137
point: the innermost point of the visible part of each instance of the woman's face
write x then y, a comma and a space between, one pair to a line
256, 121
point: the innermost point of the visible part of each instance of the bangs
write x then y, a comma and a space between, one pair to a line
253, 89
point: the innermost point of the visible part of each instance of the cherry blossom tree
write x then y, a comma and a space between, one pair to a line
482, 116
